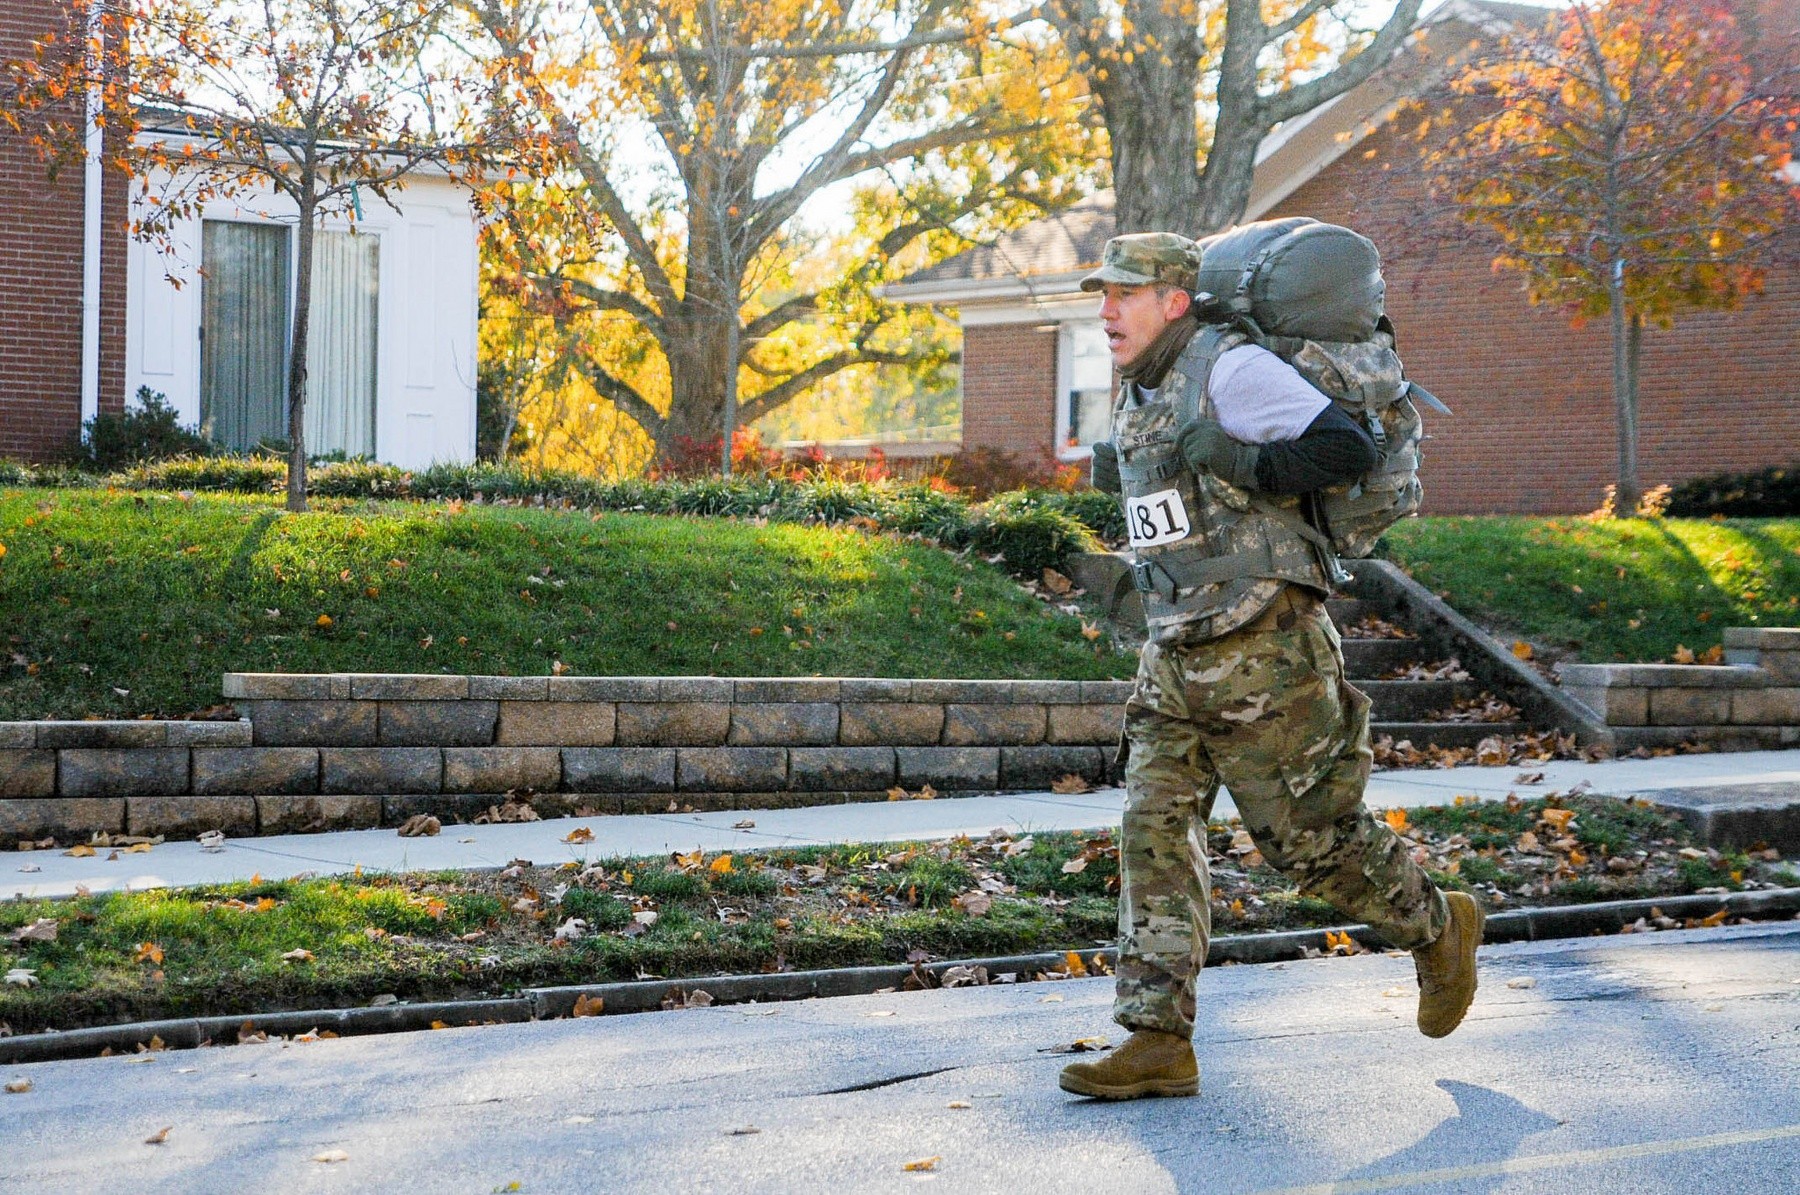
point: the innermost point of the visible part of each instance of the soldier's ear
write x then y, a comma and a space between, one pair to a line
1176, 302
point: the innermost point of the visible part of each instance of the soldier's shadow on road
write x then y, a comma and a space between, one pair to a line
1489, 1126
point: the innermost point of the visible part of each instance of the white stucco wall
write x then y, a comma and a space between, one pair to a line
426, 316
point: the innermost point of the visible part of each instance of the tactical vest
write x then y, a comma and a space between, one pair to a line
1208, 557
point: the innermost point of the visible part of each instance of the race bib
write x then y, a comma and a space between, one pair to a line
1154, 519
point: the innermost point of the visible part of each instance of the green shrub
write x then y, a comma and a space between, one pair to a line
230, 474
147, 432
1769, 493
1099, 512
1030, 536
358, 479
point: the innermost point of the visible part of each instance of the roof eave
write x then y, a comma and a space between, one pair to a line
987, 290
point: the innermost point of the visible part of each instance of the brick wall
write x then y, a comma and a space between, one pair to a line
1534, 429
40, 277
1009, 389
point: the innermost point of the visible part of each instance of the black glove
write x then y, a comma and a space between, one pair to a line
1208, 448
1105, 475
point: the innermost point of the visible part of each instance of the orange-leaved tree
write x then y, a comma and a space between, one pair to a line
322, 105
1631, 159
732, 182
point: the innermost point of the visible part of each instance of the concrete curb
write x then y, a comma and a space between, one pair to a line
1523, 925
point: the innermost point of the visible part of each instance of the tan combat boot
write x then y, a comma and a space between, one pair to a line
1150, 1062
1447, 968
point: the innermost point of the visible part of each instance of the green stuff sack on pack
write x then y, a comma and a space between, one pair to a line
1297, 277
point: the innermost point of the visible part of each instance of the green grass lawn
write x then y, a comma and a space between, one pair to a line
127, 604
1624, 589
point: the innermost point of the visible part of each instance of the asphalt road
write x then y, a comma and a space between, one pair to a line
1645, 1063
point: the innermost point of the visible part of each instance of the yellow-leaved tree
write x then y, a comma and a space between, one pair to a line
726, 186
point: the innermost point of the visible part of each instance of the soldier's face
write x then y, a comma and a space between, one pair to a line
1134, 316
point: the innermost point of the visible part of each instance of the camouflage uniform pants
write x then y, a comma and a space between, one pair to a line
1267, 710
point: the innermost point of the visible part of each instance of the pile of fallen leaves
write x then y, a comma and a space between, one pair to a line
1483, 707
1493, 751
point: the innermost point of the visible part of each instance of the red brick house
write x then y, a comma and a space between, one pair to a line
1533, 430
62, 276
89, 316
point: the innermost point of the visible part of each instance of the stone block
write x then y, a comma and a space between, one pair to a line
696, 688
122, 772
313, 723
400, 686
190, 816
1085, 724
236, 733
17, 735
438, 723
313, 813
63, 818
618, 769
556, 723
828, 769
27, 773
1690, 707
979, 725
1040, 767
285, 686
949, 768
813, 723
674, 723
966, 692
605, 688
874, 688
501, 769
1782, 666
102, 734
786, 689
1046, 692
380, 770
1656, 676
1763, 638
509, 688
889, 724
1766, 707
1107, 692
1621, 706
272, 770
730, 769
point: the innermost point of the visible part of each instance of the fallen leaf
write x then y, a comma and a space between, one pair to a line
1522, 983
1557, 819
1682, 654
746, 824
440, 1024
18, 1087
580, 834
421, 825
959, 1104
721, 865
298, 955
1081, 1045
879, 1012
212, 841
924, 1163
325, 623
1396, 820
41, 930
588, 1006
1075, 866
249, 1034
748, 1130
1522, 649
148, 952
974, 903
1056, 583
22, 977
331, 1155
80, 850
1714, 920
158, 1137
1074, 966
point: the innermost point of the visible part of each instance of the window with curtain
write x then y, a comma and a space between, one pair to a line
244, 328
340, 351
1088, 392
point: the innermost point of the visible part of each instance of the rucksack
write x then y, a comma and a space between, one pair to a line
1312, 294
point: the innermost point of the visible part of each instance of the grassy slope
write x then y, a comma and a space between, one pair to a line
1617, 590
159, 596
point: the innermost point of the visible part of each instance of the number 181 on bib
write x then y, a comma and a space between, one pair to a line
1155, 519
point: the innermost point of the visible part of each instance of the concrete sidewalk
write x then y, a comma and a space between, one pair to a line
176, 864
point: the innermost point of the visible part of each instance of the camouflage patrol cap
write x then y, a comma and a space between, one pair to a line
1146, 258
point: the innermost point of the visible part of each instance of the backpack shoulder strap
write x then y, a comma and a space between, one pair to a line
1191, 375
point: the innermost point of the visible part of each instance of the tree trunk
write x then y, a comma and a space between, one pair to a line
1626, 330
1148, 105
296, 483
697, 346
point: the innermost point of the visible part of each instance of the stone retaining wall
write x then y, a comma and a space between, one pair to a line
339, 751
1751, 701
